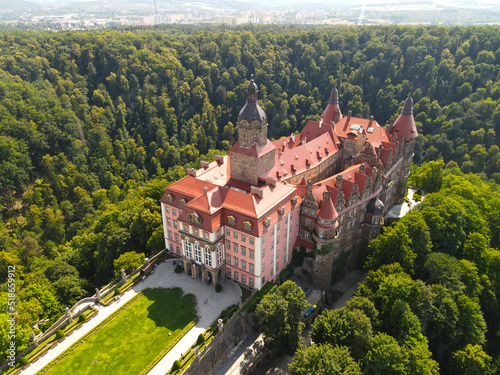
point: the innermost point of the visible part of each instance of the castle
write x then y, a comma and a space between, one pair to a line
326, 189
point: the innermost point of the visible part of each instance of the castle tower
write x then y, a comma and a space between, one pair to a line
325, 236
332, 111
373, 220
405, 130
253, 153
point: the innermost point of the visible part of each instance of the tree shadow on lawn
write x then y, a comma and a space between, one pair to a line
170, 309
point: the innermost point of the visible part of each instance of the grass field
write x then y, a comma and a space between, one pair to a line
133, 338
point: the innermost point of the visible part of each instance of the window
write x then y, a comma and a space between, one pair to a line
281, 211
278, 227
231, 220
236, 275
208, 257
189, 249
172, 247
277, 252
170, 234
263, 253
243, 251
277, 240
248, 225
286, 220
228, 258
307, 235
263, 280
186, 228
263, 239
235, 261
183, 202
228, 245
272, 271
175, 224
308, 223
228, 272
251, 240
286, 231
178, 250
263, 267
250, 281
277, 266
205, 235
167, 210
243, 279
168, 222
272, 258
228, 232
197, 252
272, 232
235, 235
219, 254
267, 222
195, 231
174, 212
243, 238
170, 199
272, 245
177, 237
235, 247
251, 253
218, 233
243, 265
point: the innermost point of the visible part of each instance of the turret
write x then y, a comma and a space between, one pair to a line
332, 111
404, 126
252, 120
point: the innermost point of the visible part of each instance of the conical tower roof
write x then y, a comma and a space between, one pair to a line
332, 108
404, 126
327, 210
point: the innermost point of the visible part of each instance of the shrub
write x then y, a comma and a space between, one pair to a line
178, 269
82, 318
23, 361
218, 288
176, 366
60, 334
201, 339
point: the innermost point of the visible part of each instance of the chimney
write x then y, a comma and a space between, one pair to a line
338, 181
293, 137
349, 112
219, 159
303, 141
205, 189
191, 172
371, 121
257, 191
326, 196
204, 164
270, 181
320, 122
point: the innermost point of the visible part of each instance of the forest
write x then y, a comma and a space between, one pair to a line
94, 126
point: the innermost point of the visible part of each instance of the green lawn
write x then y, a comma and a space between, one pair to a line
133, 338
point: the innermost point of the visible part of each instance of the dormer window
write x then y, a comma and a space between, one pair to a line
170, 199
294, 201
267, 222
183, 202
281, 211
231, 220
195, 218
248, 225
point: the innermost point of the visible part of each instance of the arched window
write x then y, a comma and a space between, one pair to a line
219, 254
197, 252
208, 257
189, 249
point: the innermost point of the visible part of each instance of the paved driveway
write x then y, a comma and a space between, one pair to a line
163, 277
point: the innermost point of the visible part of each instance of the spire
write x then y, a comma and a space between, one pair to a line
252, 91
404, 126
334, 96
332, 110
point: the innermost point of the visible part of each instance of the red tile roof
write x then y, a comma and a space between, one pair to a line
328, 211
254, 151
404, 126
375, 134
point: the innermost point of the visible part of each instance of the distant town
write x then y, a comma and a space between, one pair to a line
92, 15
